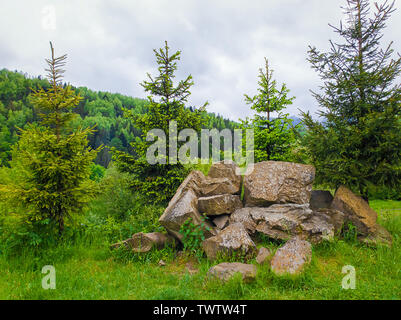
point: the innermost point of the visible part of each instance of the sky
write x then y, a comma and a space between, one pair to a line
222, 42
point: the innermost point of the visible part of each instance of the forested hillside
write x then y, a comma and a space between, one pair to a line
103, 109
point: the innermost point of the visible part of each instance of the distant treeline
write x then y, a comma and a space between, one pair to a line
103, 109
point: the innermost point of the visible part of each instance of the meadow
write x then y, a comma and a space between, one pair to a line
87, 269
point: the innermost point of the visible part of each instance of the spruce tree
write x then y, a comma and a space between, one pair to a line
273, 130
52, 162
357, 142
166, 103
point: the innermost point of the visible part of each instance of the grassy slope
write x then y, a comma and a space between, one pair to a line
92, 272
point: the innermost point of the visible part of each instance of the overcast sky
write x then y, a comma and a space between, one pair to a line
223, 43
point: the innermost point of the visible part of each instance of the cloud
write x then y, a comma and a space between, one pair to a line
223, 43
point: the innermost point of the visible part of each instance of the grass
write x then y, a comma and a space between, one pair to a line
89, 270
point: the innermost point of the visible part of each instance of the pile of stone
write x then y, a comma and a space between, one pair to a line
278, 202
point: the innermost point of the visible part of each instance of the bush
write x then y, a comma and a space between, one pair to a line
193, 236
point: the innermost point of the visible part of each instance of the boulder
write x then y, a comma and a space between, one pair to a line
232, 239
331, 216
317, 228
243, 216
194, 181
320, 199
292, 257
280, 221
221, 221
263, 255
283, 221
179, 210
225, 169
278, 182
356, 210
226, 270
215, 186
144, 242
220, 204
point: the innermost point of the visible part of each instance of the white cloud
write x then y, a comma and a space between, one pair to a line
110, 43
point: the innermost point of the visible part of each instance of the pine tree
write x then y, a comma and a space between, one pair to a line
53, 163
273, 135
166, 103
358, 144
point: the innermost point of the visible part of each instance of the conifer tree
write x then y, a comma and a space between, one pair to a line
358, 141
159, 181
53, 163
273, 131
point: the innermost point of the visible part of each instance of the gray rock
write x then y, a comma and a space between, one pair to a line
226, 270
292, 257
331, 216
216, 186
317, 228
284, 221
320, 199
232, 239
225, 169
219, 204
179, 210
243, 216
280, 221
278, 182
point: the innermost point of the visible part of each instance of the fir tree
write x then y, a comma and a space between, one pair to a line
273, 135
53, 163
166, 103
358, 144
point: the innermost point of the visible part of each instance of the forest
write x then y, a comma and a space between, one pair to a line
77, 187
103, 109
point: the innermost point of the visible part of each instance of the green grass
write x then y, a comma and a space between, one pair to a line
89, 270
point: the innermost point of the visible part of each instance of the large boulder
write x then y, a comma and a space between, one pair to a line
280, 221
233, 239
243, 216
320, 199
292, 257
226, 270
317, 228
216, 186
219, 204
194, 181
356, 210
331, 216
278, 182
179, 210
225, 169
283, 221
